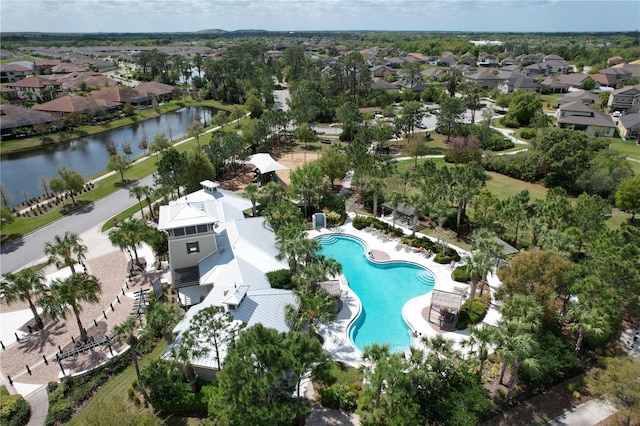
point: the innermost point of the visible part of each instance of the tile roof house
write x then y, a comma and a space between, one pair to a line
43, 66
14, 119
219, 257
578, 116
32, 87
122, 95
66, 68
11, 95
10, 73
431, 74
382, 71
629, 126
72, 105
625, 100
160, 91
618, 73
78, 80
608, 80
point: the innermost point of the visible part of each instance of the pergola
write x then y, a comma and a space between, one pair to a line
267, 167
445, 308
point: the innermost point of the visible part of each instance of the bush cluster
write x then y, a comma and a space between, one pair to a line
461, 274
477, 314
423, 242
447, 256
280, 279
361, 222
341, 396
14, 410
65, 396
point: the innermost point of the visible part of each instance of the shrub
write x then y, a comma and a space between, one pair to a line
449, 255
461, 274
423, 242
528, 134
14, 410
341, 397
280, 279
509, 122
477, 314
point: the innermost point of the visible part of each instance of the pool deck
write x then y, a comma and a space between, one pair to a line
335, 334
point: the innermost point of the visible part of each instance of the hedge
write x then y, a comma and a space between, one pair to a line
280, 279
461, 274
14, 410
477, 314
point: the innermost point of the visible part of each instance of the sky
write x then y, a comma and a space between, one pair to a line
316, 15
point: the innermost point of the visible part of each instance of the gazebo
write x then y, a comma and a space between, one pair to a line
445, 308
266, 167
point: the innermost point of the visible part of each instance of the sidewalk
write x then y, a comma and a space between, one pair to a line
588, 414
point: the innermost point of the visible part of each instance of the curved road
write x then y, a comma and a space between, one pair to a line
29, 249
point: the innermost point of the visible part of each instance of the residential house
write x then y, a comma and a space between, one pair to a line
160, 91
67, 105
122, 96
531, 58
487, 60
432, 74
15, 119
11, 95
382, 71
486, 78
511, 68
219, 257
419, 57
576, 80
394, 62
552, 85
615, 60
632, 67
584, 96
629, 126
10, 73
468, 59
608, 80
447, 59
538, 68
83, 80
34, 88
44, 66
578, 116
513, 81
556, 64
620, 75
381, 83
67, 68
625, 100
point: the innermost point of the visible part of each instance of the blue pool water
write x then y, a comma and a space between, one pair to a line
383, 289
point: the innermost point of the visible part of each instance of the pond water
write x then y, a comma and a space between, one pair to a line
20, 173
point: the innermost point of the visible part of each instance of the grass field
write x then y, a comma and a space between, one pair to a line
115, 389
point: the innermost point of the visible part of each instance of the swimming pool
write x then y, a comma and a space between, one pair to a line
383, 289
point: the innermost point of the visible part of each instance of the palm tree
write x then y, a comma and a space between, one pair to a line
373, 354
486, 242
523, 309
587, 320
67, 294
375, 185
24, 286
477, 266
395, 197
440, 348
66, 251
281, 213
138, 192
130, 233
251, 192
127, 333
162, 317
480, 339
522, 348
295, 247
314, 307
148, 192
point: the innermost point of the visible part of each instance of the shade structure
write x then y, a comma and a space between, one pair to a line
265, 163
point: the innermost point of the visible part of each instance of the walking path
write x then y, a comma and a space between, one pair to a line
588, 414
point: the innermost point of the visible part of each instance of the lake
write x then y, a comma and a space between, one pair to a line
21, 172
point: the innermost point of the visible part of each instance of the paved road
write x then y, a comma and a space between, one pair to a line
29, 249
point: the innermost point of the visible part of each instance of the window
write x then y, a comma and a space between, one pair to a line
193, 248
202, 228
190, 230
178, 232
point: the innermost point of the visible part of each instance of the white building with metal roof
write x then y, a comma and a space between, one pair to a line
219, 257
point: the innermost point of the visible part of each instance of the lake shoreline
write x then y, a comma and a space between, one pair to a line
36, 143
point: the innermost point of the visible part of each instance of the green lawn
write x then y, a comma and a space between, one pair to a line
627, 148
115, 389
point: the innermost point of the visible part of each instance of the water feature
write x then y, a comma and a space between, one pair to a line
383, 289
21, 172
